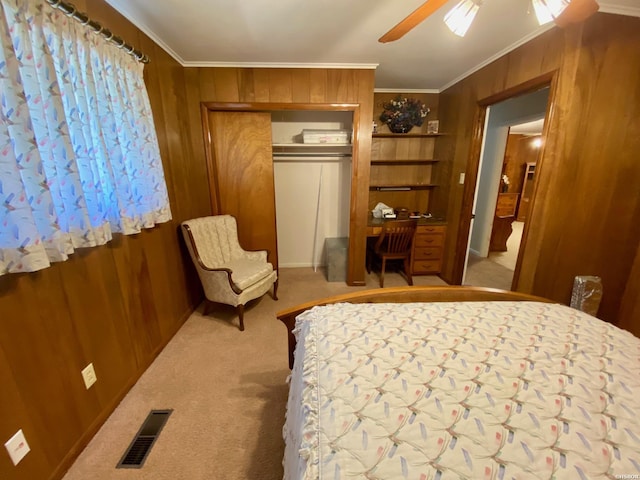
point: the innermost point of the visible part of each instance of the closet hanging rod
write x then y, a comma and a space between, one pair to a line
312, 154
70, 10
277, 159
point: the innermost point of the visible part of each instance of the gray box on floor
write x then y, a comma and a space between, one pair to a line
336, 249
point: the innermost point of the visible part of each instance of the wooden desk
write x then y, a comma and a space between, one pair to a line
374, 225
428, 244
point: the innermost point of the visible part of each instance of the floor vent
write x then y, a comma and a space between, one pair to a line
141, 445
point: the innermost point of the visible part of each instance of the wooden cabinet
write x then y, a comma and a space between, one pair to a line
402, 169
507, 204
500, 233
428, 249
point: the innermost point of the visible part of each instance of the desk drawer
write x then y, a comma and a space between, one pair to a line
427, 253
427, 266
432, 240
439, 229
506, 205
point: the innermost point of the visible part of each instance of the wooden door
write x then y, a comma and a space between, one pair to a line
241, 176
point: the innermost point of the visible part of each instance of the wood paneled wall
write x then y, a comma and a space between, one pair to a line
303, 86
118, 305
520, 150
115, 306
585, 219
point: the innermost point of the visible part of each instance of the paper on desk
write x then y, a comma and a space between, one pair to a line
377, 211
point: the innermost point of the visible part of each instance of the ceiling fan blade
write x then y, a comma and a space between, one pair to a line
413, 19
577, 11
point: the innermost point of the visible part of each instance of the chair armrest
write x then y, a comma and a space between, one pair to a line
221, 277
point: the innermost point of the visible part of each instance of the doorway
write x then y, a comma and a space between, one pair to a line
496, 228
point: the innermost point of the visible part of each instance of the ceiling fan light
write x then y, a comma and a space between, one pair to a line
460, 17
547, 10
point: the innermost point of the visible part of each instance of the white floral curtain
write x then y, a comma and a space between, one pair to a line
79, 155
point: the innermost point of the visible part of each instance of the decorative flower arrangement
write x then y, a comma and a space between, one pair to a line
505, 183
402, 113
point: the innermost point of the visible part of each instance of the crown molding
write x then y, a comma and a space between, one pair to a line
123, 8
346, 66
621, 10
618, 10
496, 56
405, 90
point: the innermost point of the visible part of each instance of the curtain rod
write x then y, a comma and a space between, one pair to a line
71, 11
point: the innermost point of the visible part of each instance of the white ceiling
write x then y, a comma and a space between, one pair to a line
339, 33
528, 128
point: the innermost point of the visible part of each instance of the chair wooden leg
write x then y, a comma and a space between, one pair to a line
382, 268
240, 309
407, 271
207, 307
275, 290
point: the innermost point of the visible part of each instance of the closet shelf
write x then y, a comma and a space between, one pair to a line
320, 146
309, 150
406, 135
406, 187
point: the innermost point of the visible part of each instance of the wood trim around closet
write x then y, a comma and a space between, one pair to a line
357, 225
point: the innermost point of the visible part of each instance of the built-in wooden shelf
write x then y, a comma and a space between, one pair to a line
406, 135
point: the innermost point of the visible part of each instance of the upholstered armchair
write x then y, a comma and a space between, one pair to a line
229, 274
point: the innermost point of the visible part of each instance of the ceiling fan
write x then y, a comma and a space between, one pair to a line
562, 12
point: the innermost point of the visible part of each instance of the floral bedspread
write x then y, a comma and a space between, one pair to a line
478, 390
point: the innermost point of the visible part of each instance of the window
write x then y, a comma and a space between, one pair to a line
79, 156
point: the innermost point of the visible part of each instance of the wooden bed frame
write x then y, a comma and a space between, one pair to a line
403, 295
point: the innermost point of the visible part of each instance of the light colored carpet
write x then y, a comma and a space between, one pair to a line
227, 389
482, 272
496, 270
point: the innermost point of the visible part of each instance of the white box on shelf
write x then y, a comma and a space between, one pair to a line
325, 136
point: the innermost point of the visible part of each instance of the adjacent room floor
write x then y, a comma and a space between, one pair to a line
496, 270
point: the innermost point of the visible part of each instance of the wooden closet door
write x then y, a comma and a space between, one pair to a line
242, 176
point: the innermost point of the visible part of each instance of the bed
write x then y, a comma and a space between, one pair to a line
458, 382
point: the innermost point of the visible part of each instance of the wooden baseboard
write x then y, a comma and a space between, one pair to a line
84, 440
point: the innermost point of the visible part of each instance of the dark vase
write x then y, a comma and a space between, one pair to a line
398, 128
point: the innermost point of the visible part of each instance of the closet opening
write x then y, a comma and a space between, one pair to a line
312, 153
254, 150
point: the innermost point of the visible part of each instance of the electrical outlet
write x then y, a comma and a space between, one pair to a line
461, 180
17, 447
89, 376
